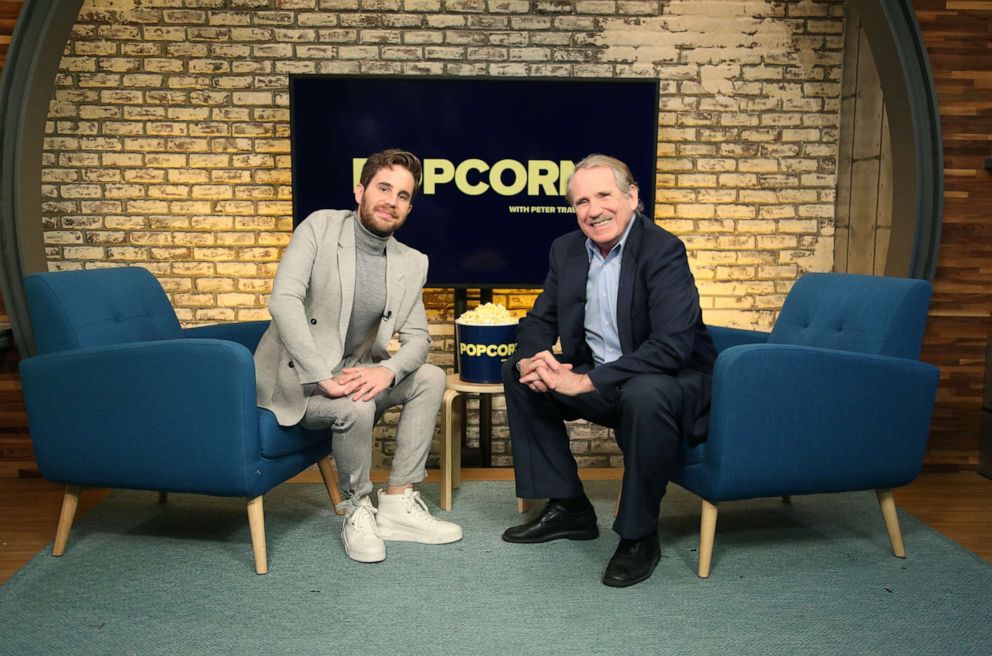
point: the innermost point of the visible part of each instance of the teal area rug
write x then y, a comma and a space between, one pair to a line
812, 577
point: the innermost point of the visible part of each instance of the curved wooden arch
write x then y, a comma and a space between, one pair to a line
25, 91
914, 123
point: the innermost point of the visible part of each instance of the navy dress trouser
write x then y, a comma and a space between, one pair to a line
646, 417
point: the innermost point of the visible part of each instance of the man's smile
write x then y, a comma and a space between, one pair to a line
600, 221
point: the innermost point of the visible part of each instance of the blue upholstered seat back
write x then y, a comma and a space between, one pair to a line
847, 312
80, 309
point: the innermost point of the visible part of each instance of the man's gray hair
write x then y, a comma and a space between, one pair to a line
621, 173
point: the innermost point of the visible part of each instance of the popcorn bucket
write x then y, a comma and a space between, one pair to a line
482, 350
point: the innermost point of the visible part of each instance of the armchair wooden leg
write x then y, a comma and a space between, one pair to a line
330, 476
456, 444
707, 533
451, 446
70, 501
163, 497
786, 498
256, 525
523, 505
888, 505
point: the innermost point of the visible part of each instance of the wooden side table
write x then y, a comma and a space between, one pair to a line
451, 432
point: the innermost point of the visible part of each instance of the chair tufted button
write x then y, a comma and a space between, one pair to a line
313, 321
290, 364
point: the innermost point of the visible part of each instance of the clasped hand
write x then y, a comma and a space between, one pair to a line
364, 382
543, 372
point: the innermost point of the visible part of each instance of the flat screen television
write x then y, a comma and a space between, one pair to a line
496, 153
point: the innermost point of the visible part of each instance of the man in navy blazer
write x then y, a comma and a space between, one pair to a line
635, 356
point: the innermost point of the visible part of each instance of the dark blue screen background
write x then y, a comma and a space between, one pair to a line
472, 241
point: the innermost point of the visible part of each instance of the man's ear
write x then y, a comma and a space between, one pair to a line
632, 196
359, 192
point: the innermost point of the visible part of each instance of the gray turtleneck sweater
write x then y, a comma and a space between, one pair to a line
370, 290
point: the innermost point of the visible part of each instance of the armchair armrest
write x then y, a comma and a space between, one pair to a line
164, 415
724, 337
792, 419
246, 333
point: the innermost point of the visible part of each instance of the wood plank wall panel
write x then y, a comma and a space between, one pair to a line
8, 17
958, 36
864, 188
883, 212
848, 89
16, 455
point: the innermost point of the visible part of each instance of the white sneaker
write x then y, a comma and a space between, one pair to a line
404, 517
360, 534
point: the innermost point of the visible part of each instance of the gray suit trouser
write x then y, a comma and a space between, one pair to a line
352, 422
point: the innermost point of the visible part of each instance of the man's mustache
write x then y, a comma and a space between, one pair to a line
386, 208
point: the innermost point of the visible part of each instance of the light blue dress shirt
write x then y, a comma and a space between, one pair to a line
602, 334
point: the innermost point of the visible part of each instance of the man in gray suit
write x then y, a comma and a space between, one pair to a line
344, 287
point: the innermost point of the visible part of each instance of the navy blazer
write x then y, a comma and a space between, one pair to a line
658, 315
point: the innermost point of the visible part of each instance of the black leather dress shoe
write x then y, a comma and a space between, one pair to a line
555, 523
633, 561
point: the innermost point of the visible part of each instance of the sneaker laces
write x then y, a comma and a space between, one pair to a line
414, 505
361, 515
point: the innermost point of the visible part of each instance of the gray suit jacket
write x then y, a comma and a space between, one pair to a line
311, 305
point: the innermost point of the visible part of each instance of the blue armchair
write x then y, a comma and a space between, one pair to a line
833, 399
120, 395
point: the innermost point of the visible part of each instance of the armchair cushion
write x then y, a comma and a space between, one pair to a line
246, 333
724, 338
277, 441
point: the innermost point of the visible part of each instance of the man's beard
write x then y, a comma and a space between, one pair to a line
366, 215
